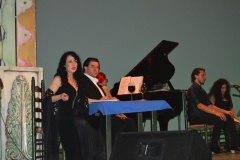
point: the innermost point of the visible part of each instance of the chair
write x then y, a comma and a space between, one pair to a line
204, 129
37, 132
224, 139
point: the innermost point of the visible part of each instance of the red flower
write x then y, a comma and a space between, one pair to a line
100, 78
1, 84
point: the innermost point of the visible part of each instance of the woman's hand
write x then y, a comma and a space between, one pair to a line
229, 113
221, 115
114, 98
105, 98
64, 97
121, 116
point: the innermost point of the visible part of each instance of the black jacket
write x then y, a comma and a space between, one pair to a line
91, 91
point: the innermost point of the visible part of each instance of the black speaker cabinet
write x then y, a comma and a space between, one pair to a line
168, 145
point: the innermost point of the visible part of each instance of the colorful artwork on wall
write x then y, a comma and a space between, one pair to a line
18, 48
26, 34
16, 107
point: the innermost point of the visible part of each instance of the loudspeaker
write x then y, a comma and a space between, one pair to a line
167, 145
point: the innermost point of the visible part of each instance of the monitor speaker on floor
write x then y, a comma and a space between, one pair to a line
167, 145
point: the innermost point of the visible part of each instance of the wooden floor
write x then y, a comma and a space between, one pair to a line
226, 156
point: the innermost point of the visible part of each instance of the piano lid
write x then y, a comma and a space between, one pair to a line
155, 67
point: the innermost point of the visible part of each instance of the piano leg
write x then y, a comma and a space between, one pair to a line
163, 122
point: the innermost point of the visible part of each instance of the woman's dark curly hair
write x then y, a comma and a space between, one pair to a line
216, 90
61, 70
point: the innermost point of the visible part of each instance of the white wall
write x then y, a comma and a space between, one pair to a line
121, 33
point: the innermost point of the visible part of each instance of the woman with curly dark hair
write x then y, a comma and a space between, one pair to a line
65, 110
220, 96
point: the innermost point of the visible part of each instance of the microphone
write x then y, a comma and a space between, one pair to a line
235, 95
235, 85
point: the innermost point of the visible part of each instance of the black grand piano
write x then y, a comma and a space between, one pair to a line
157, 72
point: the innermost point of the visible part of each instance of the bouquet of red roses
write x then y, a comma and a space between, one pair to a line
100, 78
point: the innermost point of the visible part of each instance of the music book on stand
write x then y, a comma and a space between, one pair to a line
123, 87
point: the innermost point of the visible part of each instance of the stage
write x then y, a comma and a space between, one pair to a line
227, 156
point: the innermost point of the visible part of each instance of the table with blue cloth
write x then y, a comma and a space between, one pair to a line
108, 108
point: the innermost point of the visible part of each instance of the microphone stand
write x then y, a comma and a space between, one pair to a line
237, 87
236, 95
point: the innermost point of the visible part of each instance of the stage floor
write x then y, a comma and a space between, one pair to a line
227, 156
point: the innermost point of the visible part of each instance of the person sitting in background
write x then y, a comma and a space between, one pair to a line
102, 81
94, 91
220, 96
202, 111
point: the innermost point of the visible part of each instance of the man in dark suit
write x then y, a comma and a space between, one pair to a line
91, 69
120, 123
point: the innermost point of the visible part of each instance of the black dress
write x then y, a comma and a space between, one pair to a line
75, 131
227, 105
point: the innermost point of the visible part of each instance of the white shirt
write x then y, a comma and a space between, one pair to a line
95, 81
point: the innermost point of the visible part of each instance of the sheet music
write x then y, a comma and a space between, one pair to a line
123, 87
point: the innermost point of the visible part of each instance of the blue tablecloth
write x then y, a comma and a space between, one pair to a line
115, 107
